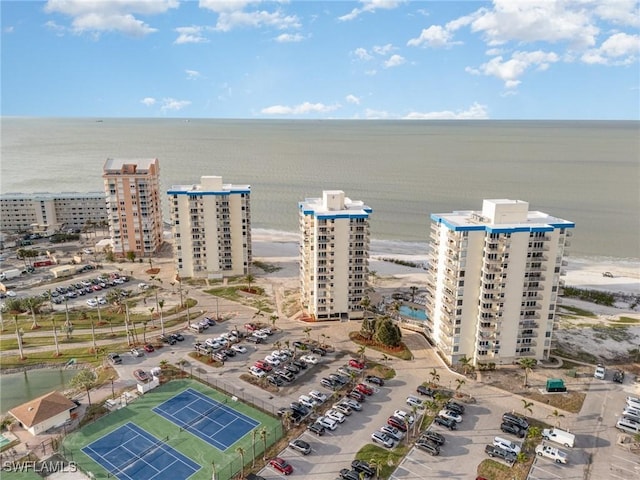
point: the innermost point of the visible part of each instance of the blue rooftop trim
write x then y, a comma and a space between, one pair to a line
563, 225
457, 228
207, 193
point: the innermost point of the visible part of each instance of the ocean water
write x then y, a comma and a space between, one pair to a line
587, 172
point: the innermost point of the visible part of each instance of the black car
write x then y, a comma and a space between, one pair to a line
498, 452
167, 339
316, 428
275, 380
455, 406
513, 429
287, 377
291, 368
429, 447
341, 379
178, 337
229, 352
516, 420
375, 380
446, 422
300, 345
328, 383
434, 437
618, 376
210, 321
347, 474
298, 407
253, 339
362, 466
422, 390
319, 351
301, 364
356, 395
282, 410
253, 476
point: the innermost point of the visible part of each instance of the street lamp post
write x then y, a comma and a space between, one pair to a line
113, 394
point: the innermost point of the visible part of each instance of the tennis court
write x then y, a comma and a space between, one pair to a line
214, 422
131, 453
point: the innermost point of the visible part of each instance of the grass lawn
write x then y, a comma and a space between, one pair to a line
386, 460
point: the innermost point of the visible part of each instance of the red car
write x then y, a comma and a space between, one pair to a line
141, 375
281, 465
149, 348
356, 364
396, 422
252, 327
362, 388
263, 365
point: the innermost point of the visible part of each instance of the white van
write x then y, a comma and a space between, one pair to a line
628, 425
559, 436
194, 327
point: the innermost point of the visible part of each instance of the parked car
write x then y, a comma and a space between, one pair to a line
445, 422
292, 368
516, 420
298, 407
354, 363
318, 396
327, 422
618, 376
263, 365
342, 408
253, 339
455, 406
167, 339
114, 359
136, 352
312, 359
319, 351
506, 445
513, 429
382, 439
300, 446
375, 380
362, 388
299, 363
397, 423
275, 380
393, 432
336, 415
328, 383
238, 348
178, 337
141, 375
307, 401
364, 467
356, 395
316, 428
346, 474
434, 437
353, 404
429, 447
423, 390
450, 414
401, 414
413, 401
497, 452
553, 453
257, 372
281, 465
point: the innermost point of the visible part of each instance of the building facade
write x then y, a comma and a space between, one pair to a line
49, 212
494, 281
211, 225
132, 189
334, 251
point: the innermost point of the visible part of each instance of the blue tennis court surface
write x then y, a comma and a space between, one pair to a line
214, 422
131, 453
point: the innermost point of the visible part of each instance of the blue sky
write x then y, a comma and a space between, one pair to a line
380, 59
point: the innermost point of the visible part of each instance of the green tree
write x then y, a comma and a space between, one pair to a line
308, 330
460, 382
368, 328
84, 379
365, 303
526, 406
556, 415
33, 305
435, 377
249, 278
274, 319
161, 306
388, 333
534, 432
263, 436
361, 352
527, 364
466, 363
131, 256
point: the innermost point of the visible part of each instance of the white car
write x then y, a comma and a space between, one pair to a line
280, 355
413, 401
210, 342
271, 360
260, 335
336, 415
327, 422
257, 372
633, 402
401, 414
383, 439
92, 302
312, 359
507, 445
450, 414
342, 408
318, 396
307, 401
102, 300
238, 348
11, 293
551, 452
353, 404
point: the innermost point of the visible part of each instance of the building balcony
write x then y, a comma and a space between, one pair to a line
530, 353
528, 324
535, 316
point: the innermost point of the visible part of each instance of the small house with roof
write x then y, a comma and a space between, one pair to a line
43, 413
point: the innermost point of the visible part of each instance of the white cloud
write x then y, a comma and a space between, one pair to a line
376, 114
383, 49
173, 104
435, 37
511, 70
371, 6
228, 21
190, 35
192, 74
620, 12
96, 17
289, 38
148, 101
394, 61
362, 54
618, 49
352, 99
226, 5
301, 109
475, 112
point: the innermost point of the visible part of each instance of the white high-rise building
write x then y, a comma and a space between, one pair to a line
494, 281
334, 250
211, 225
132, 188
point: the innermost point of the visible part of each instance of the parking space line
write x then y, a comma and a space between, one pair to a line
546, 471
625, 459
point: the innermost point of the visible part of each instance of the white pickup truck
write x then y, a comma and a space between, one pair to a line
551, 452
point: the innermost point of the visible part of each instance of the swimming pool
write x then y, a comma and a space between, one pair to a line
415, 313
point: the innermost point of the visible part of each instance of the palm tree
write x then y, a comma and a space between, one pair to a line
55, 334
466, 363
377, 466
263, 435
286, 420
161, 306
19, 334
249, 278
534, 432
240, 451
164, 364
459, 382
435, 377
395, 309
254, 432
361, 352
274, 319
557, 415
385, 358
84, 379
527, 365
527, 406
151, 310
307, 330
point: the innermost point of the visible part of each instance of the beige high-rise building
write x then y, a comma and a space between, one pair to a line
494, 281
334, 250
132, 188
211, 225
